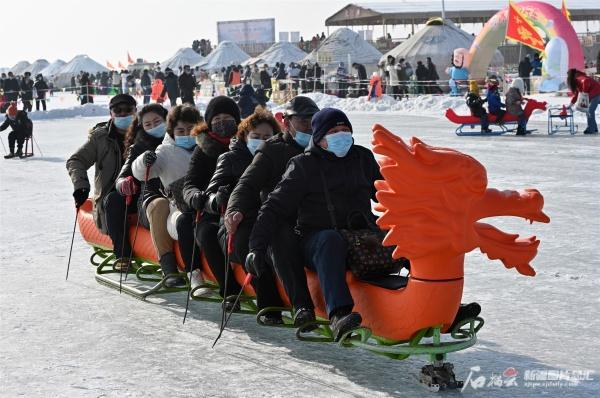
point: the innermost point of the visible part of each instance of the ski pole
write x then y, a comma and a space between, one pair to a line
72, 239
128, 200
227, 265
137, 224
1, 140
247, 280
38, 146
187, 300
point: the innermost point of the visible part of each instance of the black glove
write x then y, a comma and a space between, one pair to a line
149, 158
197, 201
255, 263
222, 196
80, 195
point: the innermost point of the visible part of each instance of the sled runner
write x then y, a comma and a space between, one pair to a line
402, 316
509, 122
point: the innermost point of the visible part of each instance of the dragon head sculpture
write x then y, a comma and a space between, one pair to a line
433, 198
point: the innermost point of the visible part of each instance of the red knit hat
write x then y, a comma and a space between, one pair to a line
12, 109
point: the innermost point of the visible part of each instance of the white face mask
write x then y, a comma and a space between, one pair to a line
253, 144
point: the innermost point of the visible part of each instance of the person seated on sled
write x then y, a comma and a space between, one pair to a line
145, 134
514, 101
475, 104
253, 188
213, 137
105, 148
494, 101
331, 166
169, 163
252, 133
21, 129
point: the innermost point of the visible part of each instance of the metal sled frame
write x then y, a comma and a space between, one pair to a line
557, 127
461, 131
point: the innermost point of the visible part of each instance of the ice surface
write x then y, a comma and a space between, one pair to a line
80, 339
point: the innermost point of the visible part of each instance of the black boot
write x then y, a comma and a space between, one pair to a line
168, 265
342, 322
19, 153
521, 131
305, 316
10, 155
273, 318
465, 311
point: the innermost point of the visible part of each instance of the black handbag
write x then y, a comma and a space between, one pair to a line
367, 257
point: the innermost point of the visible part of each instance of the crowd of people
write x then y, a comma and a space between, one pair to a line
24, 88
270, 188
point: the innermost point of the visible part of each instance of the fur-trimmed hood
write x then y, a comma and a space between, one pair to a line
211, 147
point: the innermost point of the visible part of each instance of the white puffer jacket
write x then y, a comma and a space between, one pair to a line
172, 163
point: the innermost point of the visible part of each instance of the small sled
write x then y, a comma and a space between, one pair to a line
508, 124
560, 119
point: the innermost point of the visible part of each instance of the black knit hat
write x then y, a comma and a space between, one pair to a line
221, 104
325, 120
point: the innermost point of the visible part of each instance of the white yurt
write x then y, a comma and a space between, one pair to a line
52, 69
20, 67
279, 52
183, 56
344, 45
437, 39
226, 53
37, 66
81, 63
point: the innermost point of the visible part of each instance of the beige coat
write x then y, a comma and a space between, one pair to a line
102, 149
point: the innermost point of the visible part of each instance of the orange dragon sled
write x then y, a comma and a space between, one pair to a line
431, 202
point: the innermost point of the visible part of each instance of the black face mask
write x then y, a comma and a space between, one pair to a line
225, 128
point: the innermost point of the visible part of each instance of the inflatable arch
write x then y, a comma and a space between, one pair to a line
543, 16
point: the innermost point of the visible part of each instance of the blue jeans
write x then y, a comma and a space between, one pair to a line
591, 114
325, 252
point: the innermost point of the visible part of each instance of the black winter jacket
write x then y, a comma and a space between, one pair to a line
187, 83
143, 142
475, 104
18, 125
263, 174
230, 167
171, 86
11, 89
247, 102
202, 166
146, 82
265, 80
41, 88
350, 181
27, 90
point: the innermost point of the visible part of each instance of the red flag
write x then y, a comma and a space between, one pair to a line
129, 59
520, 29
565, 11
109, 65
121, 65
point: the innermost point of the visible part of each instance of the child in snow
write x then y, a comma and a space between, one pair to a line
494, 101
475, 104
514, 100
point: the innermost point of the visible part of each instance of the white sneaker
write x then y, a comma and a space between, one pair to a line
197, 280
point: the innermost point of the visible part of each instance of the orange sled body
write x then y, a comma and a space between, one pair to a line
391, 314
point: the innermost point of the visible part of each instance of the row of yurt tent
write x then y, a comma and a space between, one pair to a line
81, 63
347, 46
53, 69
437, 39
225, 54
19, 68
282, 51
183, 56
36, 67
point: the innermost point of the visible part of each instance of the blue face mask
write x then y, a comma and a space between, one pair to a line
158, 131
185, 141
253, 144
302, 139
339, 143
124, 122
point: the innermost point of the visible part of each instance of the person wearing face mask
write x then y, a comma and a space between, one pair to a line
104, 149
187, 85
213, 137
18, 121
252, 133
332, 166
169, 164
255, 185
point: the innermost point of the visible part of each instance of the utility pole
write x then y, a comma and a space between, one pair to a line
443, 10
